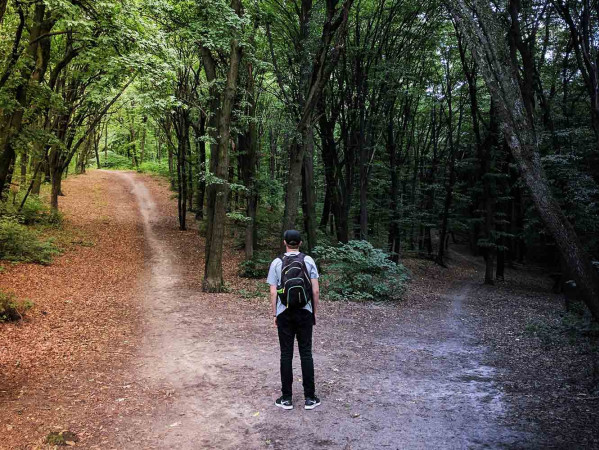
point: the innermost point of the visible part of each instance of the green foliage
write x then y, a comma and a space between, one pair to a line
11, 308
34, 211
115, 161
249, 294
576, 326
358, 271
238, 217
62, 438
19, 243
257, 267
578, 194
155, 168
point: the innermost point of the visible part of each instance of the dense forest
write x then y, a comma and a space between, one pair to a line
411, 125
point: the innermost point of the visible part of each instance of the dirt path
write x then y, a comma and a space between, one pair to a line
125, 350
407, 376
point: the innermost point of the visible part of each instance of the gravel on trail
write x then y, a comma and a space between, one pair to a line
156, 363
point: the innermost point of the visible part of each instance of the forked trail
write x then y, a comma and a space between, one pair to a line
406, 376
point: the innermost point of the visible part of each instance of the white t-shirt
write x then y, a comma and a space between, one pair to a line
274, 277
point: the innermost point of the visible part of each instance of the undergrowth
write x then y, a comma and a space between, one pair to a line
11, 308
257, 267
20, 243
114, 161
358, 271
19, 236
574, 325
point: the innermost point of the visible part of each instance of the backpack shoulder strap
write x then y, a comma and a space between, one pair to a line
302, 259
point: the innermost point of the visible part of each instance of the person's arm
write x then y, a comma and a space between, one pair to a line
273, 301
315, 296
273, 281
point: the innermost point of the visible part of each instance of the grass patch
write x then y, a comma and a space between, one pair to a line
62, 438
574, 327
11, 308
155, 168
19, 243
34, 212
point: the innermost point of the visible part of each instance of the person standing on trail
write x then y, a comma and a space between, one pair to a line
294, 294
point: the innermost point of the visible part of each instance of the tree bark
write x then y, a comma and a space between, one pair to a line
248, 165
24, 161
201, 169
213, 278
308, 194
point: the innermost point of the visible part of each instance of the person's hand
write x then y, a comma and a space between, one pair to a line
275, 321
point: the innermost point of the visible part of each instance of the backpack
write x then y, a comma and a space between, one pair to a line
295, 290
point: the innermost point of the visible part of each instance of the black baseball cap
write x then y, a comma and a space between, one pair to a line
292, 237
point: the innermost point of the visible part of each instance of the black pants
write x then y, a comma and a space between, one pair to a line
298, 323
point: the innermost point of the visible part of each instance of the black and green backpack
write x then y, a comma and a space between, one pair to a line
295, 289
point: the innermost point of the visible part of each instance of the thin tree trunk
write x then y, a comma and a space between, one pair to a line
308, 194
56, 187
97, 147
273, 154
201, 171
294, 184
24, 161
142, 144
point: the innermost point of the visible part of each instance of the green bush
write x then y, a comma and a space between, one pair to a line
19, 243
12, 309
34, 211
257, 267
358, 271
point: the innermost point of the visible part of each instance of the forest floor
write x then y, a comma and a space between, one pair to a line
124, 350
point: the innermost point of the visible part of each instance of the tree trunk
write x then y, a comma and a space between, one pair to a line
190, 177
272, 157
336, 185
97, 148
446, 208
213, 278
294, 184
308, 194
171, 165
23, 178
3, 4
393, 235
248, 167
142, 144
182, 128
201, 170
56, 190
37, 181
326, 210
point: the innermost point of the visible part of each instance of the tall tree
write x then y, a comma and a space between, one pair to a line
218, 191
